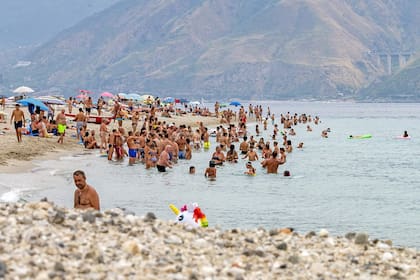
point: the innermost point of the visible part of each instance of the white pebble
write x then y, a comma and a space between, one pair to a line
387, 256
323, 233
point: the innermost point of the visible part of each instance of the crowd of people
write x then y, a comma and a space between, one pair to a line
144, 138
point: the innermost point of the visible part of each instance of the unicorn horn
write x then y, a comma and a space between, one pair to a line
174, 209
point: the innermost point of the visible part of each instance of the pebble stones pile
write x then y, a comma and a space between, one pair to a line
43, 241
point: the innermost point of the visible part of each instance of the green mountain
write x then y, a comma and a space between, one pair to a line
272, 49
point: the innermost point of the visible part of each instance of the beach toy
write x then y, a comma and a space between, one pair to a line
402, 137
190, 214
364, 136
206, 145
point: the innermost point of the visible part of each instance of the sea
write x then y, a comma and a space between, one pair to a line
343, 185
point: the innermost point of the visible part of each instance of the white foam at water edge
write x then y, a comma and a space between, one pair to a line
53, 172
10, 196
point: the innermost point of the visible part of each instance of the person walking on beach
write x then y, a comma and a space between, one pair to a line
103, 132
80, 120
61, 125
19, 118
85, 196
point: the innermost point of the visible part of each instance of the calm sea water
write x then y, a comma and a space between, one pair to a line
343, 185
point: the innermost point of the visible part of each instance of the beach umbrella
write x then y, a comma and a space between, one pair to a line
107, 94
168, 99
122, 95
34, 102
51, 100
84, 91
147, 99
81, 96
23, 90
134, 96
235, 103
183, 100
195, 103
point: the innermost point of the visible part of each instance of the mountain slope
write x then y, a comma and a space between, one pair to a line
219, 48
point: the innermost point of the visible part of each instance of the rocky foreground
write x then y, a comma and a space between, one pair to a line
43, 241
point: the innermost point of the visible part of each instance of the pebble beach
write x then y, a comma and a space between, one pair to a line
40, 240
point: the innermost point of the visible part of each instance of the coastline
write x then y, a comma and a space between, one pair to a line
18, 157
114, 244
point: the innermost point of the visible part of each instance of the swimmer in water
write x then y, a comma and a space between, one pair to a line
192, 170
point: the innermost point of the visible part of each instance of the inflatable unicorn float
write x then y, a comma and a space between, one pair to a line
190, 214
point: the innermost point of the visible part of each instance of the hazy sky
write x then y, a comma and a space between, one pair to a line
28, 22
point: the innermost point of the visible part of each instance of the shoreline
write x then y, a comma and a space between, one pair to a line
112, 244
19, 157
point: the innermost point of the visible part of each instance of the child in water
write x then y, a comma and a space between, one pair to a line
250, 169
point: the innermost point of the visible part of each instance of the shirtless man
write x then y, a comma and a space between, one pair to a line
19, 118
103, 131
70, 104
232, 155
141, 142
271, 164
188, 150
182, 147
164, 160
135, 120
88, 105
244, 146
206, 137
119, 142
100, 105
85, 196
197, 139
80, 120
111, 145
132, 148
61, 125
3, 103
91, 141
251, 154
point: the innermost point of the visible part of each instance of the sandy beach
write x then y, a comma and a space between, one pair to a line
117, 245
16, 157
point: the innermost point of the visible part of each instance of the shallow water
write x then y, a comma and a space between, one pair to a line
343, 185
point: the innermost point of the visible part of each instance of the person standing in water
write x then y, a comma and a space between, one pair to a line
85, 196
211, 171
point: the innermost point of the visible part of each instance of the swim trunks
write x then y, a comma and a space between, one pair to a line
206, 145
18, 124
61, 128
132, 153
181, 154
161, 168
